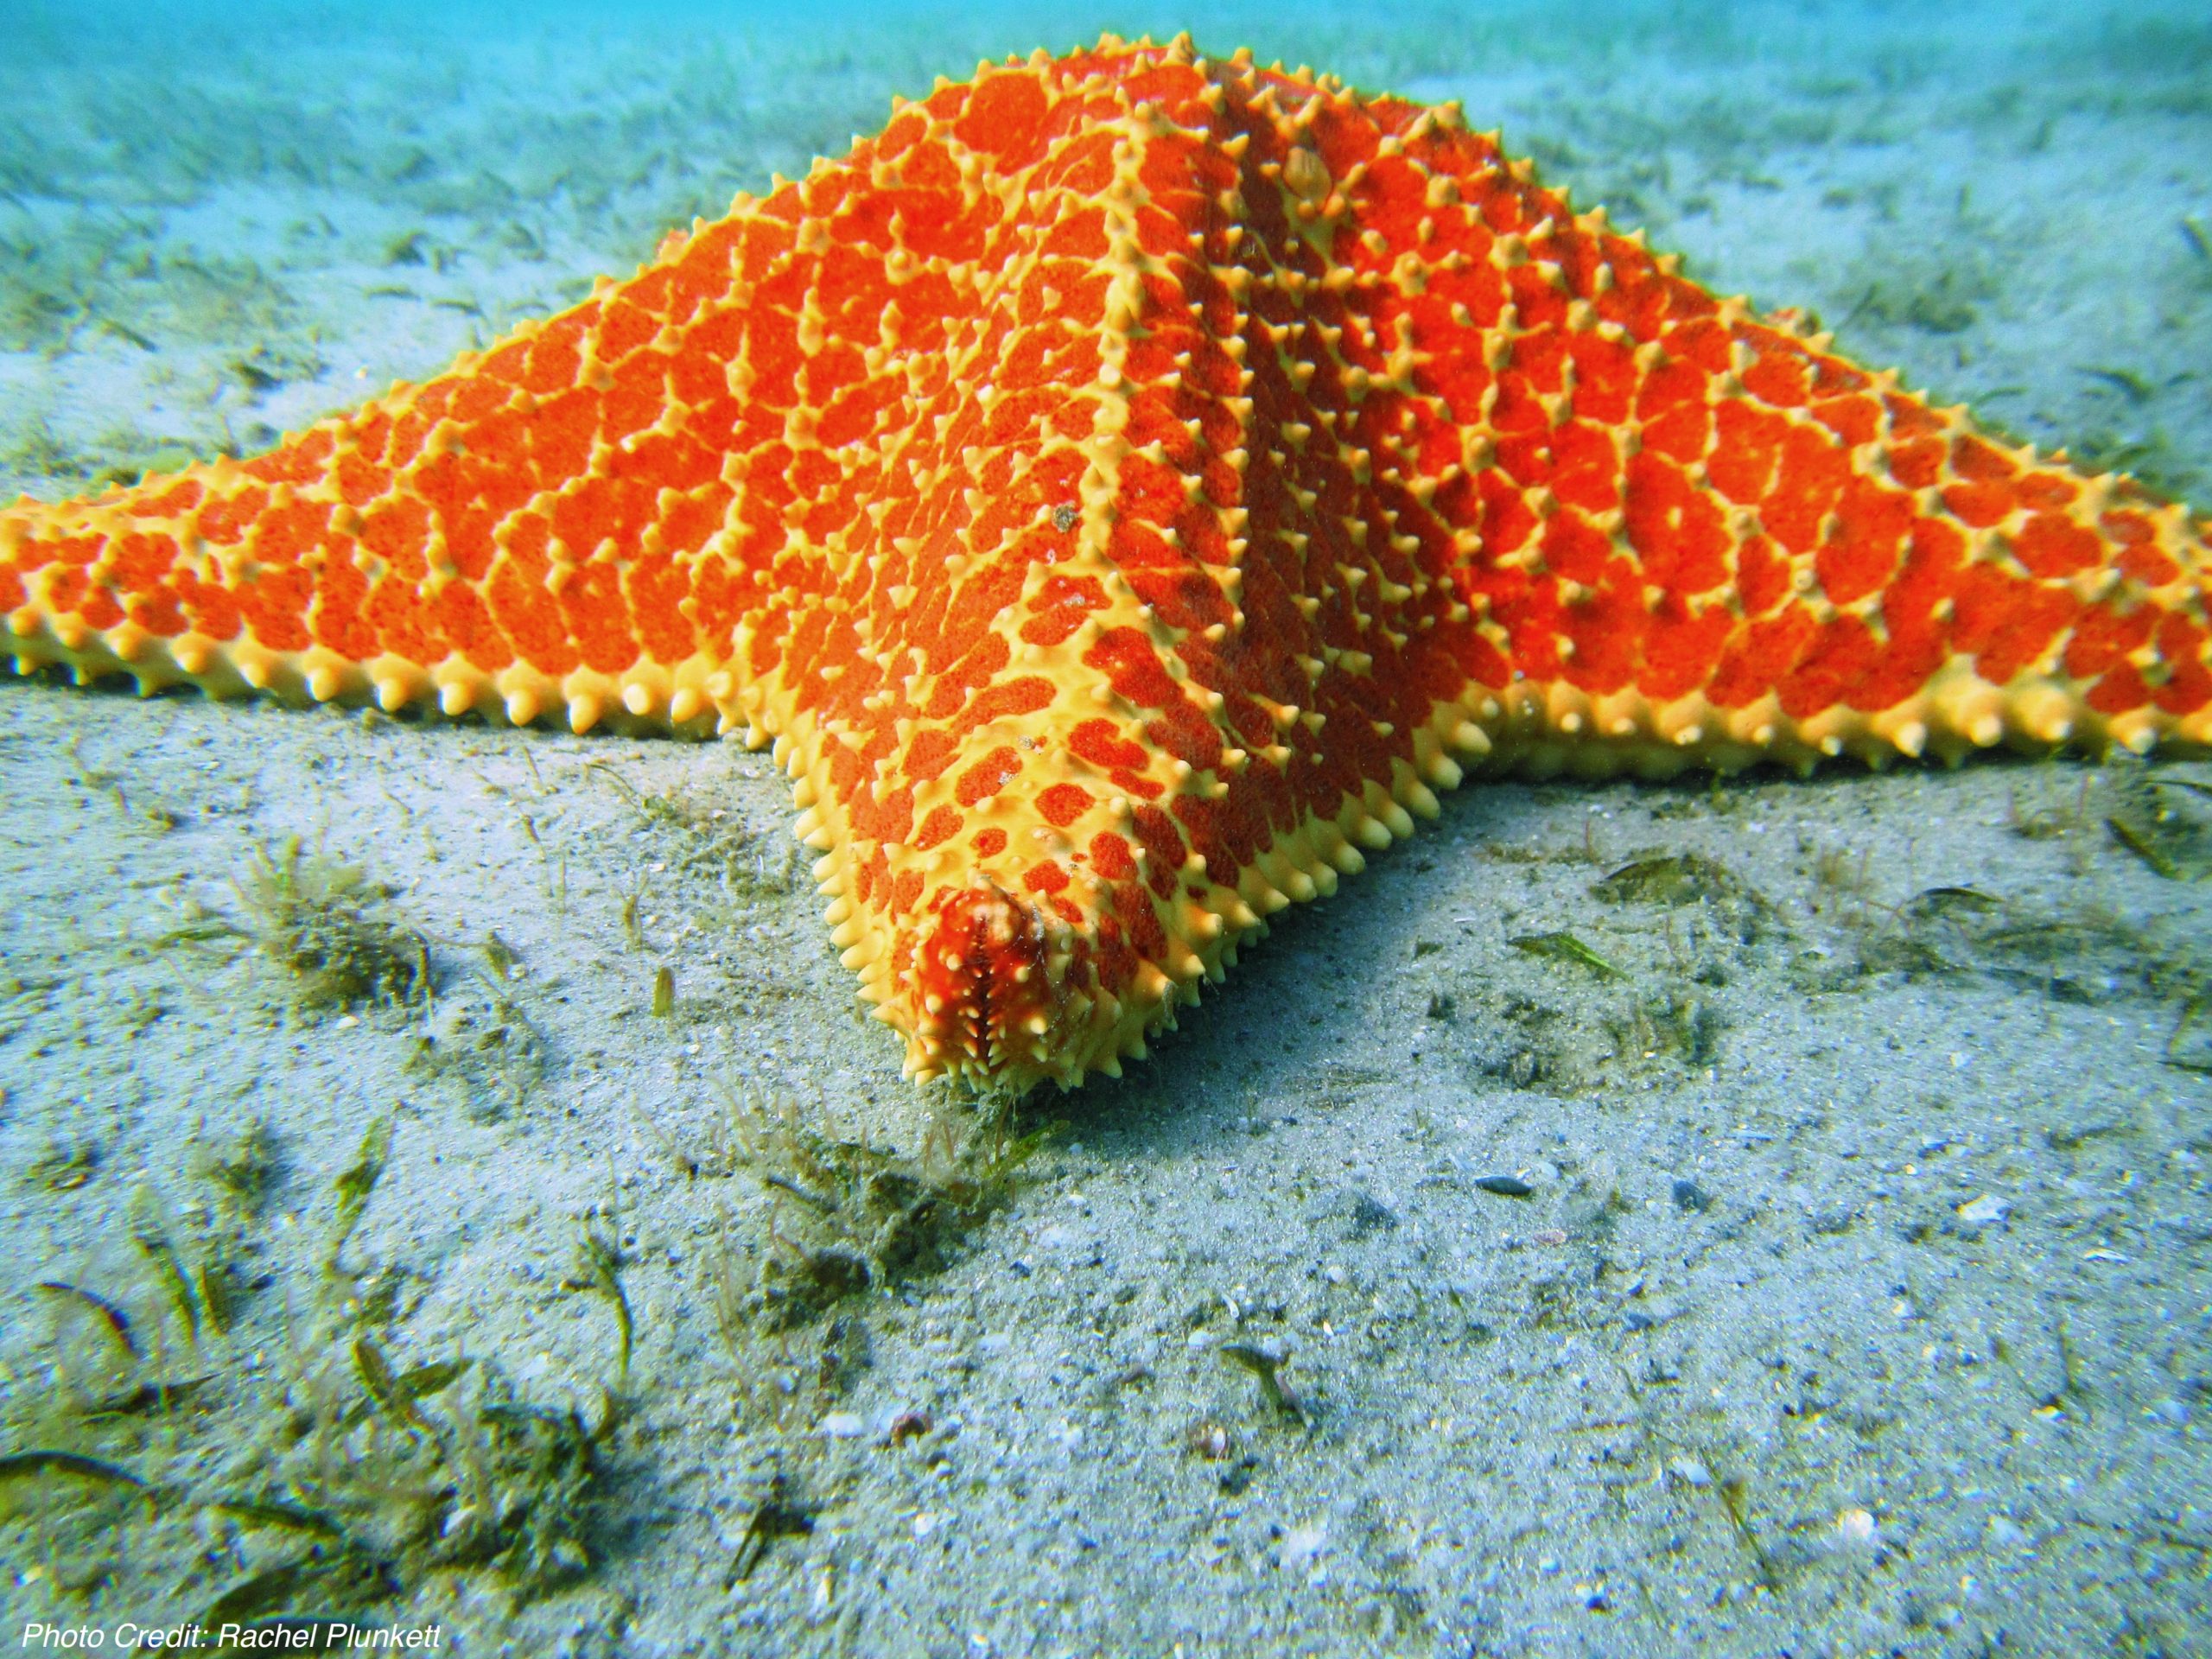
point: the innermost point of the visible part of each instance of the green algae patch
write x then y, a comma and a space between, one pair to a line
323, 922
193, 1438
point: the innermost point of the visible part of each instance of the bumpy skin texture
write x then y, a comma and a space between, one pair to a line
1120, 490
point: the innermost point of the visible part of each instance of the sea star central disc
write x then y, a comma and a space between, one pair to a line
1122, 491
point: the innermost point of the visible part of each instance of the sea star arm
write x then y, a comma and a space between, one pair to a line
1128, 488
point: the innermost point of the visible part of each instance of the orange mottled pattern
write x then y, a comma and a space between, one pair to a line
1125, 489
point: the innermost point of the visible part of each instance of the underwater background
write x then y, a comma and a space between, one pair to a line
446, 1175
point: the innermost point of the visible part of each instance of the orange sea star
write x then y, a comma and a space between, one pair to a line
1120, 491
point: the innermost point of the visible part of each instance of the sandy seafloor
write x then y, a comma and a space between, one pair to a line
1859, 1299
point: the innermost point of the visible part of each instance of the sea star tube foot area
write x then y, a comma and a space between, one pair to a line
1125, 491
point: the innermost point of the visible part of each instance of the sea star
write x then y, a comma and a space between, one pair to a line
1124, 491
